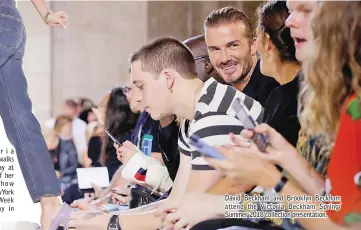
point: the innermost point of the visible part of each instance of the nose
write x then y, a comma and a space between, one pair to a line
290, 21
224, 56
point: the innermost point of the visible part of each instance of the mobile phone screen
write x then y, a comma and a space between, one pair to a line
204, 148
248, 122
112, 137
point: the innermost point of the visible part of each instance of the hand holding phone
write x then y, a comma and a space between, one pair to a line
207, 150
112, 137
248, 122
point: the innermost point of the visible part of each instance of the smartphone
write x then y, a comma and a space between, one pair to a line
112, 137
205, 149
248, 122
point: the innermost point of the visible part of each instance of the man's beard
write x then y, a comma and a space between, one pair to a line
246, 70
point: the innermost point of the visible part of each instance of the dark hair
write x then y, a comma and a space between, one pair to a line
228, 15
85, 113
119, 119
272, 18
71, 103
165, 52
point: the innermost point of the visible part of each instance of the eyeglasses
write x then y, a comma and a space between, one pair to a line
201, 57
126, 90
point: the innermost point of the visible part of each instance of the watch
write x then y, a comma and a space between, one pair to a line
114, 223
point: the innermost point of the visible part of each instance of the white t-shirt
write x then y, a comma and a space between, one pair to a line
214, 119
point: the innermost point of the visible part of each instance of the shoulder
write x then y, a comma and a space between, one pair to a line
183, 144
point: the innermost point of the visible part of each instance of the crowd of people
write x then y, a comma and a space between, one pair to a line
299, 76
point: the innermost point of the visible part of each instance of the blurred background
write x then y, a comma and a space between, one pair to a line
90, 57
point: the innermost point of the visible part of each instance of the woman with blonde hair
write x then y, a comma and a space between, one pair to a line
332, 110
64, 154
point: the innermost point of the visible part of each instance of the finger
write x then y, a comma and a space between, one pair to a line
118, 197
129, 144
124, 149
181, 224
171, 218
265, 129
244, 142
74, 204
221, 165
247, 133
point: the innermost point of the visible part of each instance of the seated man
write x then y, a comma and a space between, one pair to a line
164, 71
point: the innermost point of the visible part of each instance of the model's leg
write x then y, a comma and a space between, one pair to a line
21, 126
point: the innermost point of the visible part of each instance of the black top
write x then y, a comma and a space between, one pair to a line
168, 141
260, 86
112, 162
94, 150
281, 110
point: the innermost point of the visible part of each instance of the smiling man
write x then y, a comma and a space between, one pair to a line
233, 53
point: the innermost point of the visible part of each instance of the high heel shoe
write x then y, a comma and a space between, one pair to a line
62, 218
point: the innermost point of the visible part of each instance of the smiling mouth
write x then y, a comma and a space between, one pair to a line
229, 69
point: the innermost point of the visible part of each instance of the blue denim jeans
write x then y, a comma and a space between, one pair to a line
21, 126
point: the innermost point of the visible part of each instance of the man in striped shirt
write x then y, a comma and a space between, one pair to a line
165, 74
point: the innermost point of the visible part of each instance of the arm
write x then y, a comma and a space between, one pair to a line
181, 180
41, 7
203, 176
272, 177
58, 18
304, 174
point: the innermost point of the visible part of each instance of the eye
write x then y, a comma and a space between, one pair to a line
213, 50
141, 86
234, 45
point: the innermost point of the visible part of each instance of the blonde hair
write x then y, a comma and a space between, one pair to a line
334, 71
60, 122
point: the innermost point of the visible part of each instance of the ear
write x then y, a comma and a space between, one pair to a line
254, 47
268, 45
169, 77
208, 68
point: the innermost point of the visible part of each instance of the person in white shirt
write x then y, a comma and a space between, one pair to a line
79, 128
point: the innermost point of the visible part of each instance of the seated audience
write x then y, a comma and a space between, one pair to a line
277, 59
331, 110
198, 47
233, 53
79, 127
120, 122
163, 70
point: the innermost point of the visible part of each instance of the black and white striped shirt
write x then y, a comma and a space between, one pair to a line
214, 120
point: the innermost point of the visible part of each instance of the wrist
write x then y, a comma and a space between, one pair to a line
46, 16
271, 177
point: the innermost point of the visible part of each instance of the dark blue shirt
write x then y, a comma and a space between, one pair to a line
146, 126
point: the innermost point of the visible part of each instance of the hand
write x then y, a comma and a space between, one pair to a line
58, 18
97, 190
194, 208
168, 206
85, 205
126, 151
243, 166
279, 151
119, 199
89, 220
120, 195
